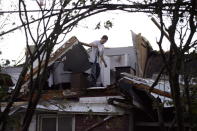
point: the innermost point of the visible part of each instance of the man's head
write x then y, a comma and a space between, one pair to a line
104, 39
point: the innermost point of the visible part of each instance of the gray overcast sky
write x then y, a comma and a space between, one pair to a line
119, 35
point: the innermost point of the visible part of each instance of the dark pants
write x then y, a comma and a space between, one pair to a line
95, 72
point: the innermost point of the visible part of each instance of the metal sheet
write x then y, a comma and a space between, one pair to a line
76, 108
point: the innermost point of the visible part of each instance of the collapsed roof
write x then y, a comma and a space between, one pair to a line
72, 58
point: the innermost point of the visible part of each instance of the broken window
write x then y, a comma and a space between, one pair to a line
56, 123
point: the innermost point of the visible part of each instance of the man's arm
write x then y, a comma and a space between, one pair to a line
103, 60
89, 45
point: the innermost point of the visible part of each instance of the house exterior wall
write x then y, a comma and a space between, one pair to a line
121, 56
119, 123
116, 57
84, 121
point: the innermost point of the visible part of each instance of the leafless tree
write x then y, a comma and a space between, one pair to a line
180, 33
62, 16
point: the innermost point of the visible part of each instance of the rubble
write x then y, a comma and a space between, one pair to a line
125, 93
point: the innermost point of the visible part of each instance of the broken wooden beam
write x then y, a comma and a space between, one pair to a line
147, 88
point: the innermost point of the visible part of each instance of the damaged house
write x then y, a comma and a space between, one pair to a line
122, 103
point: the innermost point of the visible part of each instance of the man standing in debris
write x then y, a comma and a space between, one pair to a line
96, 57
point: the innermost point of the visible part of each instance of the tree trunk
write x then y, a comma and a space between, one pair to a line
30, 111
188, 99
175, 88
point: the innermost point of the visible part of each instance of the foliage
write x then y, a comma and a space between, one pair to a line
107, 24
3, 93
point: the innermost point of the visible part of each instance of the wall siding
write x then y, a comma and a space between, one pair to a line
120, 123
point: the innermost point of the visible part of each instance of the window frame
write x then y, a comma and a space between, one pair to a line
56, 116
